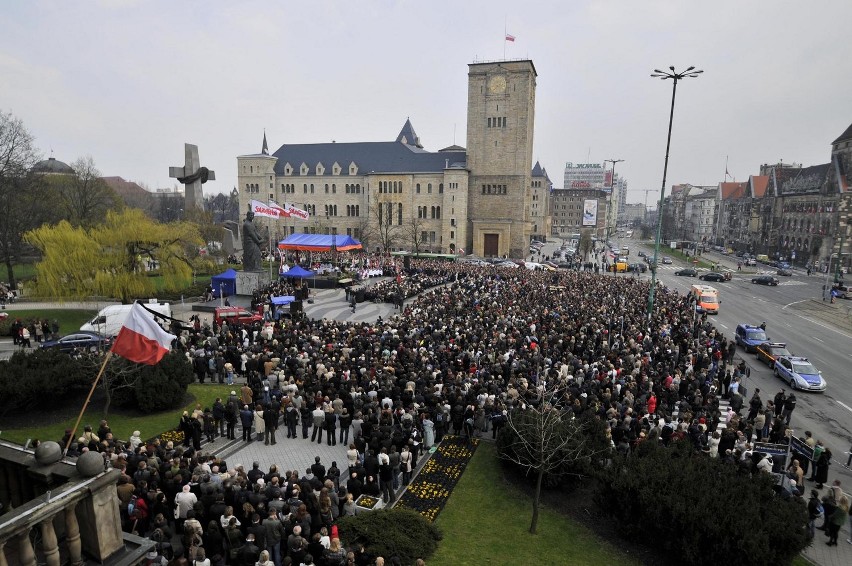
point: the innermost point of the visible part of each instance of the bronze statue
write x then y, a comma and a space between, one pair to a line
251, 244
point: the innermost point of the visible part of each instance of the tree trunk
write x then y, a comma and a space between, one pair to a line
536, 499
10, 271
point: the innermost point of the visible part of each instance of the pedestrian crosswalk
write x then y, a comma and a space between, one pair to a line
724, 404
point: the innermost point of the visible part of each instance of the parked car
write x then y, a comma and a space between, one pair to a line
716, 276
765, 280
768, 352
799, 373
687, 272
786, 271
749, 336
235, 315
80, 340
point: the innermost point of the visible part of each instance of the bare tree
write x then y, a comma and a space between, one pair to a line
585, 245
385, 227
22, 193
542, 438
412, 232
86, 197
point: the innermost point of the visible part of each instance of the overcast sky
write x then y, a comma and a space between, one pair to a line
128, 82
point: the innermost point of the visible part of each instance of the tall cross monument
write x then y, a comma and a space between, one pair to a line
192, 176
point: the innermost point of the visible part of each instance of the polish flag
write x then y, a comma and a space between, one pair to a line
141, 339
510, 38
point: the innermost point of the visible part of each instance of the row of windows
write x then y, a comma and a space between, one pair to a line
353, 210
252, 188
388, 187
425, 212
498, 122
330, 210
386, 213
354, 232
429, 188
430, 237
494, 189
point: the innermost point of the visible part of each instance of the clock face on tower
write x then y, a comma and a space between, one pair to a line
497, 84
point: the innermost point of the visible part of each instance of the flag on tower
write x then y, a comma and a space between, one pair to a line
510, 38
141, 339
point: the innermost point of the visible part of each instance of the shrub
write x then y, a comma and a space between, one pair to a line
41, 378
164, 385
700, 510
391, 532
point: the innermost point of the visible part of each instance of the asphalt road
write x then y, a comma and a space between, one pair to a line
828, 415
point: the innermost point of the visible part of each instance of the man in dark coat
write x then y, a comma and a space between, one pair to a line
270, 419
246, 419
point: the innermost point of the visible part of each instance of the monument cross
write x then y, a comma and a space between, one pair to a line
192, 176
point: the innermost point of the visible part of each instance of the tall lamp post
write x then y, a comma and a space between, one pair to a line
611, 191
691, 72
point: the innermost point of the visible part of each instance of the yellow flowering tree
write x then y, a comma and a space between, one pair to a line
109, 259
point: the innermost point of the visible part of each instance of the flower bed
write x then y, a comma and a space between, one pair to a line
368, 502
428, 492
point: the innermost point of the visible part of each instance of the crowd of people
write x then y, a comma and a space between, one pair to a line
457, 358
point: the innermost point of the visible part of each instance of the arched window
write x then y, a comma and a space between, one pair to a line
399, 214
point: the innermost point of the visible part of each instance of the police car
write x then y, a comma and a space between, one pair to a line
799, 373
750, 337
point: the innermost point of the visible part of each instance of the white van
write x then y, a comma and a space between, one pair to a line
110, 319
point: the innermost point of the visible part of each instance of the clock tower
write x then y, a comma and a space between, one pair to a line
500, 119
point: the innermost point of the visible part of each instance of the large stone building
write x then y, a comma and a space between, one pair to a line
568, 208
596, 176
483, 199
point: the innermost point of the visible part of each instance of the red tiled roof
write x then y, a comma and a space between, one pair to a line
759, 184
733, 190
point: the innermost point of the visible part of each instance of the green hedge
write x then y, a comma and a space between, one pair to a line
699, 510
40, 378
403, 533
45, 378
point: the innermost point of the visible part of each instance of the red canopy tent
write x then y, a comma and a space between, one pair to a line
319, 243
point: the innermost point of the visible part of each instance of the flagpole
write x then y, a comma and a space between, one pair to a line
86, 403
504, 40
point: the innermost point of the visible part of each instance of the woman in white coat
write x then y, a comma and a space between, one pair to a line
259, 423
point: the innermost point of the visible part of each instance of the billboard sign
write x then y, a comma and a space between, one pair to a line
590, 212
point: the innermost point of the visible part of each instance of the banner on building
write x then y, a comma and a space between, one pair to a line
590, 212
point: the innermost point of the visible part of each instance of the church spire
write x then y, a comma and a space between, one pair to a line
265, 149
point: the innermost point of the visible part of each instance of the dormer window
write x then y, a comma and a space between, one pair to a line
320, 169
335, 169
303, 170
288, 169
353, 169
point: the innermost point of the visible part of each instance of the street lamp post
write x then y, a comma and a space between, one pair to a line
675, 76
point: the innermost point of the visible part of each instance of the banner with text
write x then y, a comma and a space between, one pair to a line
261, 209
288, 210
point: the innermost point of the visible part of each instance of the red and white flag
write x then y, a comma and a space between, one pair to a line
510, 38
141, 339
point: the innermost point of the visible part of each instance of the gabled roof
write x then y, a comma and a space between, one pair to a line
733, 190
407, 135
801, 181
758, 185
124, 188
847, 135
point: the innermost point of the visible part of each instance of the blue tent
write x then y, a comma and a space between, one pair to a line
226, 281
299, 272
283, 300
